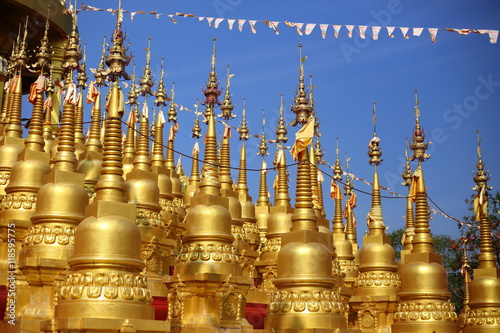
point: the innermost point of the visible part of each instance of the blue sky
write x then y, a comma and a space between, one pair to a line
458, 79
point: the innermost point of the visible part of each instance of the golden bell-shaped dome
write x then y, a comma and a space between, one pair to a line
143, 191
343, 248
66, 199
91, 168
420, 278
28, 173
211, 220
377, 255
109, 240
309, 261
8, 155
279, 223
484, 291
165, 185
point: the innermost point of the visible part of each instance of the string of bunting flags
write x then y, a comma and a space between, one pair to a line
304, 28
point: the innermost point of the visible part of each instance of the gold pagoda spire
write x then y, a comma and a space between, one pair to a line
484, 291
466, 281
172, 119
20, 57
409, 218
424, 284
225, 150
194, 178
208, 238
131, 135
157, 157
111, 185
298, 268
487, 257
34, 140
351, 199
117, 58
375, 220
47, 125
375, 304
263, 204
337, 223
81, 85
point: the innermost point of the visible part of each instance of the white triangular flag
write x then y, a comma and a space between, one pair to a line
404, 31
375, 32
390, 31
417, 31
161, 117
323, 28
493, 36
309, 28
209, 20
433, 33
299, 26
274, 25
336, 29
201, 18
349, 30
217, 22
240, 24
362, 31
230, 23
252, 25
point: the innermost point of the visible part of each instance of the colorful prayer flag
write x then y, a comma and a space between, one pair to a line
362, 31
375, 32
217, 22
240, 24
417, 31
433, 34
252, 25
309, 28
390, 31
404, 31
323, 28
349, 30
336, 29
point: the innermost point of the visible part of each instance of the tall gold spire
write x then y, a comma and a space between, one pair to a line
409, 218
207, 239
337, 223
212, 91
157, 157
487, 257
131, 134
172, 119
263, 204
424, 284
20, 57
225, 151
351, 199
194, 178
376, 304
298, 268
117, 57
484, 291
81, 85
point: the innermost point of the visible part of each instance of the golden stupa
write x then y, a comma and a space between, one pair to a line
112, 236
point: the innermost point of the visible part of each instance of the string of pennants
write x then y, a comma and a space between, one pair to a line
304, 28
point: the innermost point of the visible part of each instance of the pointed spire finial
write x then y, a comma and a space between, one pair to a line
243, 130
117, 59
281, 130
43, 56
146, 81
227, 106
263, 142
72, 54
301, 107
374, 150
161, 94
172, 111
82, 77
419, 145
196, 127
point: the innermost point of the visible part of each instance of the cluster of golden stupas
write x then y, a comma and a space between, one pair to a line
104, 234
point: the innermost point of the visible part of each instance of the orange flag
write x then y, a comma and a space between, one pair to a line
303, 138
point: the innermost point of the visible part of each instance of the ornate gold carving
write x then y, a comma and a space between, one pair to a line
111, 286
313, 301
482, 317
380, 279
147, 217
50, 234
19, 201
272, 245
4, 177
413, 311
215, 252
